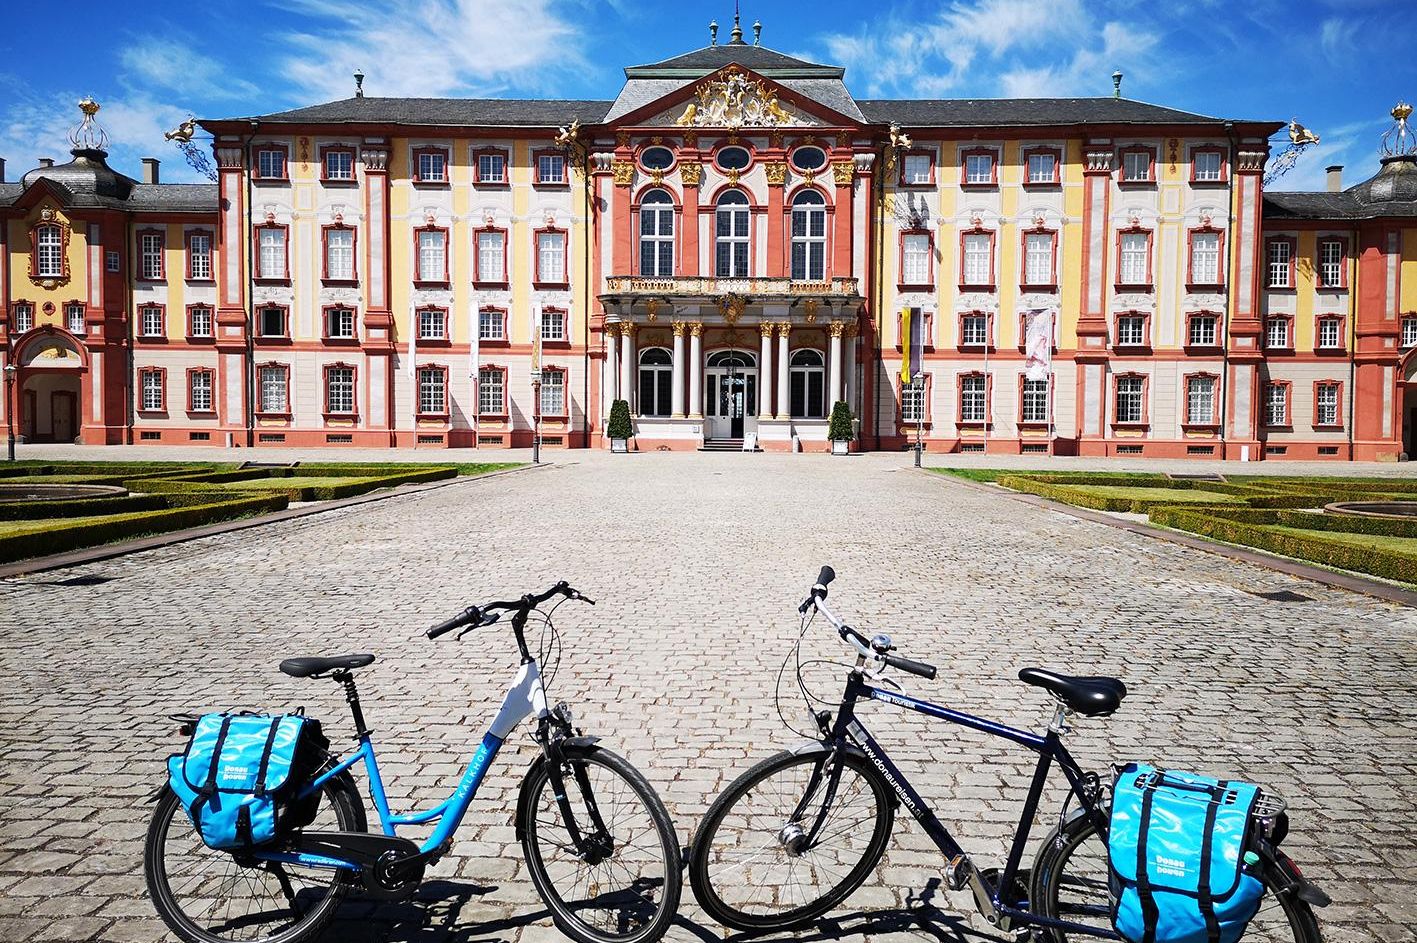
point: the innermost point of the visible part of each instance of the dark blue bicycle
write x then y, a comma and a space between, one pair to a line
795, 835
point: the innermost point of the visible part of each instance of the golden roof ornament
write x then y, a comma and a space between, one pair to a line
735, 100
1398, 140
88, 135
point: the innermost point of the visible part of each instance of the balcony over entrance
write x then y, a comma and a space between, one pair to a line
622, 288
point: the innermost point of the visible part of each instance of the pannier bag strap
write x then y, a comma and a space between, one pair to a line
1149, 911
209, 787
1203, 898
266, 756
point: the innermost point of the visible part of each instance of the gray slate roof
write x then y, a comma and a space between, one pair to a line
475, 112
174, 198
1279, 206
1023, 112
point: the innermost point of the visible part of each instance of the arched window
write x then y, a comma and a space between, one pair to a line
656, 382
809, 236
732, 358
809, 385
657, 234
731, 245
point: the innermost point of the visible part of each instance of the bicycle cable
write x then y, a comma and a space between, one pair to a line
795, 652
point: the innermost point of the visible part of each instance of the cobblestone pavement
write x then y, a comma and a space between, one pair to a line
697, 562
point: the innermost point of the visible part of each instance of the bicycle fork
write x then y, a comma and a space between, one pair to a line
557, 733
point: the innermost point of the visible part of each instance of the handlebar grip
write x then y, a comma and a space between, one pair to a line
917, 668
466, 617
826, 575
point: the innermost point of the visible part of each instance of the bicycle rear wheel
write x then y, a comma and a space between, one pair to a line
1069, 882
627, 889
750, 865
209, 896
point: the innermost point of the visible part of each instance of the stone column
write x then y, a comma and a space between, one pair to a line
837, 328
612, 364
765, 383
677, 398
696, 370
784, 402
627, 365
850, 397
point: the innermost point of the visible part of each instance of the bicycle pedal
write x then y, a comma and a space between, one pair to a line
957, 872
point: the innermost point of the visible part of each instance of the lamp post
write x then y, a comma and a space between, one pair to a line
10, 371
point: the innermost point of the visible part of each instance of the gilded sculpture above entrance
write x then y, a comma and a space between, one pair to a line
735, 100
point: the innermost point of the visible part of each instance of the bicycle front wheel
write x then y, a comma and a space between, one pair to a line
623, 884
775, 850
1069, 882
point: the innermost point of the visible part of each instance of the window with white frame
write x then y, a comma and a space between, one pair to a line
113, 262
199, 321
1276, 404
492, 167
657, 234
1331, 261
74, 319
432, 167
1276, 333
491, 256
978, 259
553, 392
432, 255
1200, 400
974, 330
153, 395
150, 247
491, 391
809, 237
553, 326
339, 323
1205, 258
24, 318
199, 391
491, 325
1038, 258
151, 320
432, 391
270, 163
1131, 330
1136, 166
339, 389
1279, 260
656, 382
339, 165
1203, 330
49, 251
912, 401
432, 324
551, 257
915, 259
1330, 333
917, 169
979, 168
731, 235
1130, 405
273, 383
1409, 331
1136, 259
339, 254
1326, 404
1034, 407
199, 256
1042, 167
272, 322
807, 384
1207, 166
550, 168
973, 398
271, 258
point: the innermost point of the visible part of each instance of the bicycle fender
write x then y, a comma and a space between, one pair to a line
524, 796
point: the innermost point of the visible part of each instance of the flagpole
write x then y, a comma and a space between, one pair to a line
989, 327
475, 366
1052, 333
413, 364
536, 383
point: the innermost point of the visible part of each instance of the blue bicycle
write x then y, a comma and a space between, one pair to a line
599, 846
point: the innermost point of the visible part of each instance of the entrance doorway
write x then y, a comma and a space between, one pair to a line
49, 406
731, 394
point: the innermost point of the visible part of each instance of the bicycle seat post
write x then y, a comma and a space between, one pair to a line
1059, 724
351, 695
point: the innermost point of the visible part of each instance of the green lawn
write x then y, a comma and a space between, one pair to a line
1169, 495
1365, 541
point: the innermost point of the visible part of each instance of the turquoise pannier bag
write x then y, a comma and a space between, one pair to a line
1176, 850
236, 777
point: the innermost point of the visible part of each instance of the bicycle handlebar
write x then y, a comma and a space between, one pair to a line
863, 646
476, 616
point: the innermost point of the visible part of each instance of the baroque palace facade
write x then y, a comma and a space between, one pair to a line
727, 246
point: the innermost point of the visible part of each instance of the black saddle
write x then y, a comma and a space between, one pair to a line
1091, 697
314, 667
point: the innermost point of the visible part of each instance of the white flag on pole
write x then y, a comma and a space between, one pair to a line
474, 358
1039, 343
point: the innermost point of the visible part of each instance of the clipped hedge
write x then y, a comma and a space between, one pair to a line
1349, 524
78, 507
1386, 563
65, 537
1084, 499
345, 489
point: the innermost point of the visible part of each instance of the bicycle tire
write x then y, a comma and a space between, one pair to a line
702, 853
343, 800
645, 915
1281, 918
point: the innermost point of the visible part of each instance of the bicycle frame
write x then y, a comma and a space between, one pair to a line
525, 698
1049, 748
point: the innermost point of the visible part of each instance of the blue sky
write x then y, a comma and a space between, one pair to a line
1336, 65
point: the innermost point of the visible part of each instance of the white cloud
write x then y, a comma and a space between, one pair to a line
1336, 38
430, 47
170, 62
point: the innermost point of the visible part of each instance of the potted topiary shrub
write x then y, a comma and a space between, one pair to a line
840, 429
618, 428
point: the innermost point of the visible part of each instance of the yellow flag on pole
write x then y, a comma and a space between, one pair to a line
905, 376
